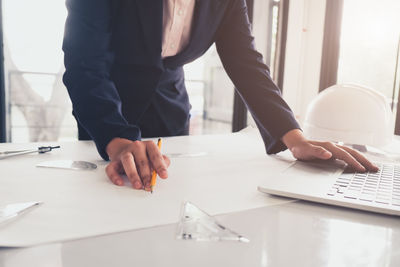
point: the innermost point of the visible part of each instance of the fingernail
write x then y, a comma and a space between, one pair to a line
120, 182
163, 173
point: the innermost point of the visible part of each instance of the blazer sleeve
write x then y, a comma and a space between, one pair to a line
245, 67
88, 58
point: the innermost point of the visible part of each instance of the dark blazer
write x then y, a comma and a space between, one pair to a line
121, 87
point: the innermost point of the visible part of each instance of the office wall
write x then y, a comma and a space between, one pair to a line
303, 53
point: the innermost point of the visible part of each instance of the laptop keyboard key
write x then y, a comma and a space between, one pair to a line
382, 187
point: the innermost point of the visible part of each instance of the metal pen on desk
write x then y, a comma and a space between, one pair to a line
13, 210
40, 150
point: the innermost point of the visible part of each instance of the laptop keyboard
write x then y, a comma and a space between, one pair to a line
382, 187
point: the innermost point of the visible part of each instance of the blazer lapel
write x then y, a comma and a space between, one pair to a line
151, 17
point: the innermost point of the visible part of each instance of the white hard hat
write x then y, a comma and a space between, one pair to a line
351, 114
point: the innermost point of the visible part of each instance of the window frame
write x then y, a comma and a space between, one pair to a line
3, 123
397, 70
240, 114
239, 117
331, 44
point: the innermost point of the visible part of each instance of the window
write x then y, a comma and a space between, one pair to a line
368, 45
211, 95
210, 89
38, 107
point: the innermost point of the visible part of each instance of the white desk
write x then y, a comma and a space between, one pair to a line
284, 234
294, 234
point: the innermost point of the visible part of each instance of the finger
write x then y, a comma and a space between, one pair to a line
319, 152
129, 166
112, 171
361, 158
311, 152
143, 165
342, 154
156, 159
166, 160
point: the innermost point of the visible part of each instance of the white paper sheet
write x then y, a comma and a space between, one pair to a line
79, 204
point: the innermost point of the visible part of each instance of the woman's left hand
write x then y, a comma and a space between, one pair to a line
304, 149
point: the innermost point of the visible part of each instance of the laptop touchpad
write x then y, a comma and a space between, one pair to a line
331, 167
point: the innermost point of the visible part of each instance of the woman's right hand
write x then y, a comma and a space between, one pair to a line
137, 160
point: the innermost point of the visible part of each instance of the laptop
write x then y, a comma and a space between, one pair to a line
330, 183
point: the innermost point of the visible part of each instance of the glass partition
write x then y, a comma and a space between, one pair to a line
38, 107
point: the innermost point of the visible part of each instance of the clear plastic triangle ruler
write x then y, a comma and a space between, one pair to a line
195, 224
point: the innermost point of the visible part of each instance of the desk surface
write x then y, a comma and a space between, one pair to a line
291, 234
79, 204
281, 234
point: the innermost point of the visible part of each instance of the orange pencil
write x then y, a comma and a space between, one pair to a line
154, 176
